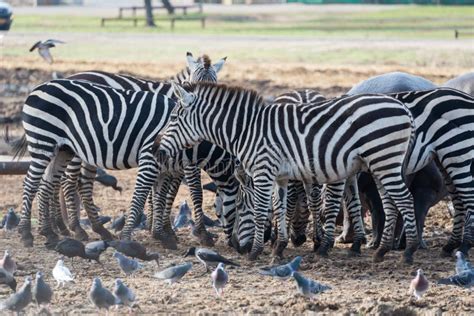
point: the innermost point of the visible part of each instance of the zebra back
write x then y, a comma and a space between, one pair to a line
300, 96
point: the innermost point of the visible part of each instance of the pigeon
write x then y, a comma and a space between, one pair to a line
175, 273
100, 296
8, 263
7, 279
209, 257
211, 222
219, 279
106, 179
134, 249
183, 218
461, 263
71, 248
42, 293
94, 249
19, 300
102, 219
127, 265
61, 273
10, 221
118, 223
43, 49
282, 272
419, 285
123, 295
308, 287
464, 279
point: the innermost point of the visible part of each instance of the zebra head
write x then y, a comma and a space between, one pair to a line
202, 69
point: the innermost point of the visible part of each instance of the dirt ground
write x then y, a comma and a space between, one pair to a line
358, 285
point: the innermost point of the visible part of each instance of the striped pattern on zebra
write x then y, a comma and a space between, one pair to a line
315, 144
200, 69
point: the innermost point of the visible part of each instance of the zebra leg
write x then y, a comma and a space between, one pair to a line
86, 189
175, 182
263, 188
56, 210
193, 178
70, 186
280, 203
314, 198
150, 213
395, 195
301, 220
38, 165
147, 175
354, 212
49, 184
332, 205
162, 188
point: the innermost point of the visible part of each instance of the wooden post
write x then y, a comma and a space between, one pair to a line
456, 34
185, 12
102, 22
203, 22
135, 20
172, 23
120, 13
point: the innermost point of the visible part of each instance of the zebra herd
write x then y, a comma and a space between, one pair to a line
297, 155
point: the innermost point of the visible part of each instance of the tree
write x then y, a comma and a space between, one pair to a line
149, 14
168, 6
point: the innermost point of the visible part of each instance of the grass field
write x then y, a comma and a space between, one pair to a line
405, 22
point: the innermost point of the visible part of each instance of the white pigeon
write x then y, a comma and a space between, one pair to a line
43, 49
61, 273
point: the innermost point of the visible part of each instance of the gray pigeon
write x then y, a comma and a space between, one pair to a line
134, 249
19, 300
463, 279
175, 273
94, 249
42, 293
419, 285
118, 223
282, 272
43, 49
308, 287
183, 218
461, 263
128, 266
219, 279
103, 219
8, 263
211, 222
100, 296
123, 295
10, 221
106, 179
8, 279
209, 257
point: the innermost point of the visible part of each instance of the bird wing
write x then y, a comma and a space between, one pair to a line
35, 46
283, 271
211, 256
44, 52
53, 41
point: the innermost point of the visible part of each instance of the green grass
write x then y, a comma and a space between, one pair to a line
407, 22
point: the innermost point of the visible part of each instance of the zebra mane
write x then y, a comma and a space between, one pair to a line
205, 60
199, 87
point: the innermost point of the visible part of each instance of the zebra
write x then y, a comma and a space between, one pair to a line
286, 141
132, 154
200, 69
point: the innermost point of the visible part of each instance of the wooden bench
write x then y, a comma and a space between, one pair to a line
457, 33
183, 8
171, 18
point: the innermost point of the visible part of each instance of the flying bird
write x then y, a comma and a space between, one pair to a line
209, 257
308, 287
19, 300
10, 221
108, 180
123, 295
183, 218
100, 296
419, 285
61, 273
8, 279
43, 49
128, 266
134, 249
219, 279
175, 273
282, 272
8, 263
42, 293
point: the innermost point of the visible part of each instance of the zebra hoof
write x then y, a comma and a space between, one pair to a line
204, 237
407, 259
464, 248
278, 249
379, 254
323, 251
245, 248
297, 241
373, 244
448, 249
253, 255
52, 239
80, 234
355, 251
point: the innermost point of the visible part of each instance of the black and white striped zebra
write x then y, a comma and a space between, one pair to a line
315, 144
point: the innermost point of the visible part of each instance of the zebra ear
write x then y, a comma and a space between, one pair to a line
218, 66
192, 64
184, 96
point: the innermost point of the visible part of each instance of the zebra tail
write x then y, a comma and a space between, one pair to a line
20, 146
411, 145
